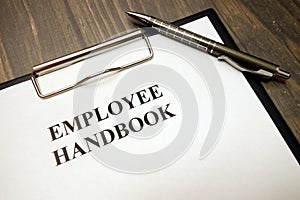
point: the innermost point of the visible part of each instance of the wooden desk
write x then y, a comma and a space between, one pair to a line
33, 32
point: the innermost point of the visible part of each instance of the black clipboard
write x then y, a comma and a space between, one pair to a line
261, 93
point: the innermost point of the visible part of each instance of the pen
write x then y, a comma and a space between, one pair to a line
246, 62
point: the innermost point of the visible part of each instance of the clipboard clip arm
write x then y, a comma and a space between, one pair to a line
65, 61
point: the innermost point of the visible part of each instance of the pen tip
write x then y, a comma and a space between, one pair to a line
139, 18
131, 14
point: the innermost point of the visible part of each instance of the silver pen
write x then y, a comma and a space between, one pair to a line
237, 59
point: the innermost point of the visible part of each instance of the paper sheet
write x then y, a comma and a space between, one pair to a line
209, 136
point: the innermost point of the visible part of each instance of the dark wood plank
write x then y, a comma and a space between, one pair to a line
268, 29
34, 32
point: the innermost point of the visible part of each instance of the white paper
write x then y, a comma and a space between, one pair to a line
249, 159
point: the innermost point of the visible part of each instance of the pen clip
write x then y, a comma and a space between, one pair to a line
260, 72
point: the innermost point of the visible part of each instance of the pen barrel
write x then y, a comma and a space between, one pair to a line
245, 59
213, 47
217, 49
250, 62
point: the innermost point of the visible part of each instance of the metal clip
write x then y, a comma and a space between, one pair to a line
260, 72
73, 58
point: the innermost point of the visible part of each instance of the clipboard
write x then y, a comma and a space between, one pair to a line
254, 83
285, 131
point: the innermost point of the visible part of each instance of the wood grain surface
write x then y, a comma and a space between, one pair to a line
35, 31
